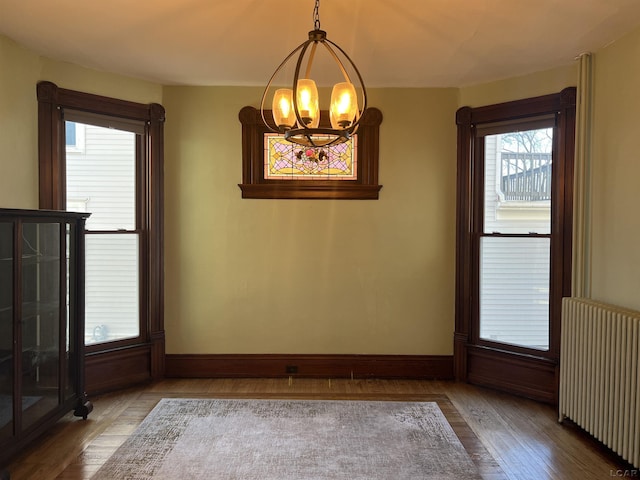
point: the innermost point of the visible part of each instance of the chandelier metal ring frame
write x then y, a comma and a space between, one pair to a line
301, 133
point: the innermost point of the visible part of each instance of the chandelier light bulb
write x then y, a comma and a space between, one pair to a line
296, 111
284, 115
344, 105
307, 99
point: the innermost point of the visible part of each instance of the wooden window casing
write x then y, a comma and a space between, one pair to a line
142, 358
511, 368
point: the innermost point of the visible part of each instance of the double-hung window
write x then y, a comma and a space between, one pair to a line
103, 177
104, 156
514, 217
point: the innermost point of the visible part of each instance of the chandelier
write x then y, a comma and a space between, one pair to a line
296, 111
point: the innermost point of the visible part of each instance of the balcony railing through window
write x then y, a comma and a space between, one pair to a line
526, 177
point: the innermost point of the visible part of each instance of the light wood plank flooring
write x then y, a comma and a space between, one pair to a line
507, 436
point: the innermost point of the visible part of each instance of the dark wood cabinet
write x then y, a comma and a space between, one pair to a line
41, 323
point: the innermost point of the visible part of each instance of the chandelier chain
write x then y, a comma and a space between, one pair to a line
316, 16
295, 111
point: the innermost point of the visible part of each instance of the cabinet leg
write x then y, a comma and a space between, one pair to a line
83, 408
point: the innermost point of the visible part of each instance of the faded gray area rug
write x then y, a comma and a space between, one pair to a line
291, 440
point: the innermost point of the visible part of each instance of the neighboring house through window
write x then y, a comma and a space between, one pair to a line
101, 178
514, 271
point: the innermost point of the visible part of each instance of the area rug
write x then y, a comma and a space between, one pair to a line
291, 440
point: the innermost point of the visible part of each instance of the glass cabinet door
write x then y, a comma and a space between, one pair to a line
41, 274
70, 354
41, 324
6, 330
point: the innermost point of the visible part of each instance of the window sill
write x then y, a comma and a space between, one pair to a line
311, 190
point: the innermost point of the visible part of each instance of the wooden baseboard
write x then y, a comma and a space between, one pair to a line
522, 375
437, 367
119, 368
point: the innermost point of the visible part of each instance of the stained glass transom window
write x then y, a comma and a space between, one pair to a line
287, 161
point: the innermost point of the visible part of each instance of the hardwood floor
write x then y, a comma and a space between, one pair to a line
507, 436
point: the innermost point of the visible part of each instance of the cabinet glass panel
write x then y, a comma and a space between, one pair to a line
40, 320
69, 359
6, 330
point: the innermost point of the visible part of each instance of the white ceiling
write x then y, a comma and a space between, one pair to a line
394, 43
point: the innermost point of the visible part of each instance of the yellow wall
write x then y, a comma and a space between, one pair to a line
18, 126
614, 261
309, 276
534, 85
289, 276
616, 174
74, 77
21, 71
